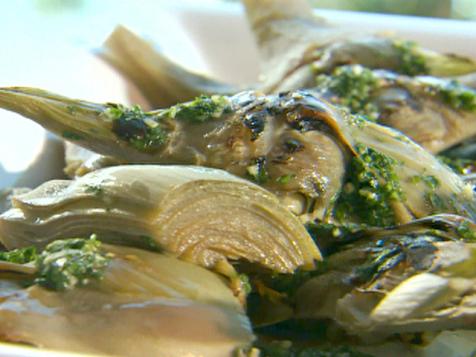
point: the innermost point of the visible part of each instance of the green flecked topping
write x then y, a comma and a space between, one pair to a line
430, 181
257, 171
460, 166
285, 179
245, 283
371, 187
412, 63
438, 203
455, 95
67, 263
352, 87
150, 243
19, 256
70, 135
466, 232
94, 189
142, 130
201, 109
72, 109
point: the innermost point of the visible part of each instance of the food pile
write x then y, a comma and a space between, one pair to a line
326, 211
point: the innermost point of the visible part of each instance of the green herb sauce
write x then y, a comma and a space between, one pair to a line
147, 132
67, 263
412, 63
142, 130
371, 187
94, 189
466, 232
351, 87
20, 256
285, 179
202, 109
257, 171
70, 135
455, 95
460, 166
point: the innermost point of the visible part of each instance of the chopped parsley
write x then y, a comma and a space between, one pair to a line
19, 256
70, 135
460, 166
455, 95
257, 171
351, 87
72, 109
285, 179
412, 63
466, 232
142, 130
371, 187
96, 190
149, 243
201, 109
245, 283
430, 181
146, 131
64, 264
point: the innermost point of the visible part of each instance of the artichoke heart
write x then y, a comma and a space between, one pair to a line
202, 215
144, 303
408, 280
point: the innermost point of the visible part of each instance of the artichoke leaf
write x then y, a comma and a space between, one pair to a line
199, 214
412, 281
144, 303
422, 177
294, 45
437, 113
161, 81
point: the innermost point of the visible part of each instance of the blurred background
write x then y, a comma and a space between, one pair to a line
456, 9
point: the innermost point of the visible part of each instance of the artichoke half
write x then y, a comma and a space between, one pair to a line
295, 46
321, 162
415, 278
204, 216
119, 301
437, 113
159, 80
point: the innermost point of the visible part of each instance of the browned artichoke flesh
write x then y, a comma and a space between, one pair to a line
295, 145
143, 303
295, 45
201, 215
414, 279
436, 113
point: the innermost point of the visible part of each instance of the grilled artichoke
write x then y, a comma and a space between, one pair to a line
118, 301
297, 47
415, 278
201, 215
321, 162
